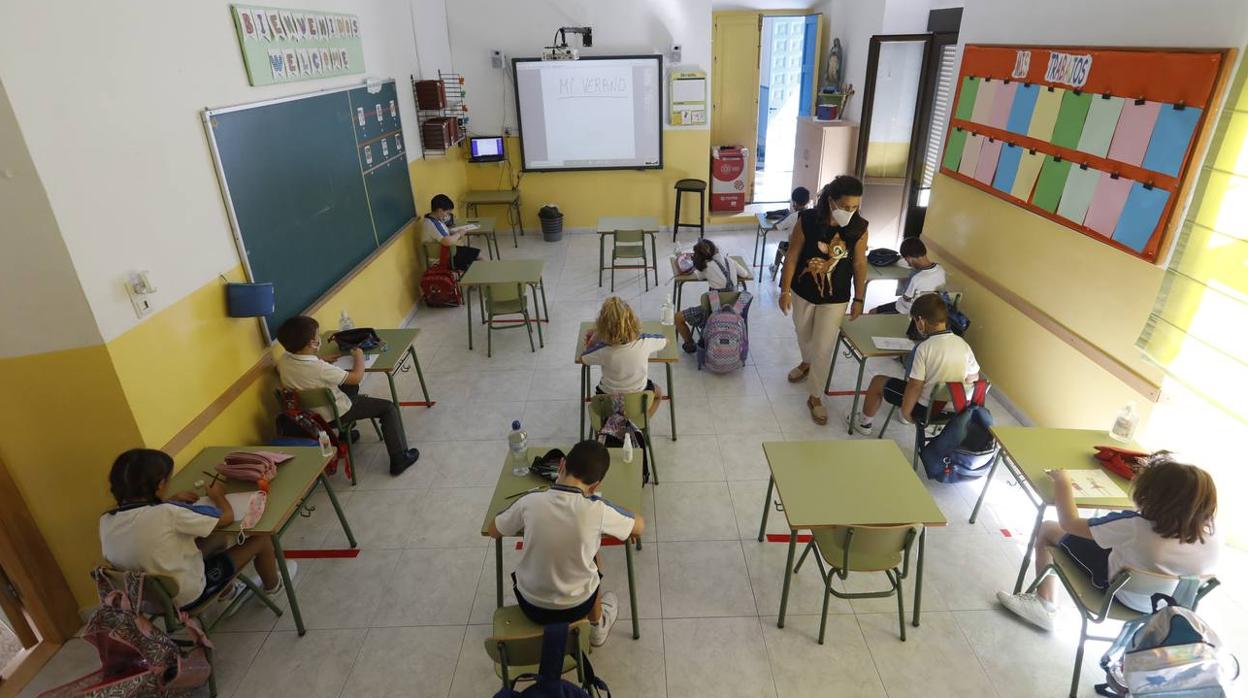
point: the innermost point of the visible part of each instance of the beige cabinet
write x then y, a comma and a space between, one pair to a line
823, 150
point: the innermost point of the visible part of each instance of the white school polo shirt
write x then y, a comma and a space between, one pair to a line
308, 372
1133, 543
563, 530
625, 367
943, 357
920, 281
159, 539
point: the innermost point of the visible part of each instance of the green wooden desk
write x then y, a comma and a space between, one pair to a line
609, 225
400, 345
765, 226
895, 272
622, 486
667, 356
856, 336
512, 271
679, 280
846, 483
288, 494
1029, 451
485, 229
507, 197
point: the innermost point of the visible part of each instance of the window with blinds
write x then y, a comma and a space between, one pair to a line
1198, 329
942, 104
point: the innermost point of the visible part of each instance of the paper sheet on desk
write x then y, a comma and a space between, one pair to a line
346, 363
893, 343
1093, 484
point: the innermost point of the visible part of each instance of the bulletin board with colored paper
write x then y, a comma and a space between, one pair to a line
1099, 140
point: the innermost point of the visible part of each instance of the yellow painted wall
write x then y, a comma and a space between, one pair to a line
584, 196
439, 175
1097, 292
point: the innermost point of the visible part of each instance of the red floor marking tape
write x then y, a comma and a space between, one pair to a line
843, 393
509, 321
784, 538
319, 554
418, 404
1006, 532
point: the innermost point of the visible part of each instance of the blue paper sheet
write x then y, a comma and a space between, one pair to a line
1171, 136
1140, 216
1007, 166
1024, 105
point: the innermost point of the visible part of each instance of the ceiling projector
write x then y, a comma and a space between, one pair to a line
559, 49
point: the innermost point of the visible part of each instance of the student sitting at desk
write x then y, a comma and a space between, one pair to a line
618, 345
559, 578
439, 226
926, 276
721, 273
941, 357
797, 203
160, 535
301, 369
1171, 533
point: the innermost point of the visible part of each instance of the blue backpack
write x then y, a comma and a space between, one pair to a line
965, 448
549, 681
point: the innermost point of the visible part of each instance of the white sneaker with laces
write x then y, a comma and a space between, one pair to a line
864, 429
1030, 608
291, 568
610, 611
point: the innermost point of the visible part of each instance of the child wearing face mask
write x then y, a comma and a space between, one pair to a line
942, 357
439, 226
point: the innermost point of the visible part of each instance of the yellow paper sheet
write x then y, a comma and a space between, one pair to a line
1025, 180
1045, 114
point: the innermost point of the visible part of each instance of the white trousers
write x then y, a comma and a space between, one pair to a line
817, 329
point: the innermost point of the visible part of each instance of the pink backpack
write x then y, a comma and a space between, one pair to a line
725, 340
250, 466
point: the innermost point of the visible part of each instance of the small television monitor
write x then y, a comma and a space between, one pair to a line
486, 148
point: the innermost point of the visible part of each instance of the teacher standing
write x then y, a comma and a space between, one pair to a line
824, 274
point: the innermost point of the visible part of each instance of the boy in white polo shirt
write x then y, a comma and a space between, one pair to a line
301, 369
942, 357
558, 578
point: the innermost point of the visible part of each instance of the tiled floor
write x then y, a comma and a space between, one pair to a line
409, 615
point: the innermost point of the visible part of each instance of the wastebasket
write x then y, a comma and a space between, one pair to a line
552, 223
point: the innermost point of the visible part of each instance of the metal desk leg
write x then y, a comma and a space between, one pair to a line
671, 399
632, 589
468, 305
541, 342
987, 481
1031, 544
654, 257
836, 351
498, 571
853, 410
541, 286
333, 501
758, 232
584, 395
290, 588
519, 217
762, 527
918, 579
788, 577
602, 260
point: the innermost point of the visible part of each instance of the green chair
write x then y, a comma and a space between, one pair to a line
324, 397
630, 244
505, 299
159, 592
637, 409
862, 549
1097, 605
937, 416
516, 646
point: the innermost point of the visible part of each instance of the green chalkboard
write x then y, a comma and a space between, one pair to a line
312, 191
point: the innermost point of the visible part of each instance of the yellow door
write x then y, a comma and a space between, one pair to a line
734, 84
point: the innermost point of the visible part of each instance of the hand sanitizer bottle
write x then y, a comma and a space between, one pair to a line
344, 321
668, 312
628, 448
1124, 425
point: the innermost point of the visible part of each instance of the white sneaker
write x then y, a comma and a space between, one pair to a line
1030, 608
864, 429
610, 611
291, 568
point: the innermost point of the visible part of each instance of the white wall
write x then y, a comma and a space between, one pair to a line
109, 96
521, 29
1107, 22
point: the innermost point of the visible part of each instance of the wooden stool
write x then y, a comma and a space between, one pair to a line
690, 185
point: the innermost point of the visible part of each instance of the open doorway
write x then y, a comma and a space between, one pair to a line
788, 52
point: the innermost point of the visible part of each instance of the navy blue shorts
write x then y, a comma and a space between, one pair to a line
1092, 558
894, 390
218, 571
546, 616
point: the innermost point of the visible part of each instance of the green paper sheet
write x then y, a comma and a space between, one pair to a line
1051, 183
953, 148
966, 98
1070, 119
1045, 114
1098, 130
1025, 180
1077, 194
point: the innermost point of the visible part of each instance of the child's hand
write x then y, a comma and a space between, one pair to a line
216, 491
187, 497
1059, 477
330, 358
357, 353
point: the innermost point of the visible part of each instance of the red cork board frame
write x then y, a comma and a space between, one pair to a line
1192, 77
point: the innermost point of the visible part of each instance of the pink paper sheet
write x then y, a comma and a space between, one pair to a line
1107, 203
1001, 105
1135, 128
989, 152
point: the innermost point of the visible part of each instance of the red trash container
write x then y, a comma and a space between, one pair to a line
728, 163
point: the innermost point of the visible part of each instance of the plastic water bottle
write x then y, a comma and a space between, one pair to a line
668, 313
327, 446
344, 321
1124, 425
518, 441
628, 448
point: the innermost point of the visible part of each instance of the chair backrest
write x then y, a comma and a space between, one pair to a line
1185, 590
629, 237
868, 545
525, 647
433, 251
158, 591
501, 293
312, 398
636, 408
725, 298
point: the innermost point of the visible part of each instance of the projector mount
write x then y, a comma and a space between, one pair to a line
559, 50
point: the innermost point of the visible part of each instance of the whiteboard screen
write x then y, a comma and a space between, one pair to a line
590, 114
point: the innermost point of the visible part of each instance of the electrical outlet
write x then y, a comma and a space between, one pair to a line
496, 59
141, 292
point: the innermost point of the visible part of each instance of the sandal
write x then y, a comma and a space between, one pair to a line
818, 412
798, 374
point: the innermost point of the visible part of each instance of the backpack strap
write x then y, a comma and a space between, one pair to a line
554, 646
958, 395
743, 302
980, 392
730, 277
712, 299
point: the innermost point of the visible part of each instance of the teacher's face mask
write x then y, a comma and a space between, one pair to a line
842, 217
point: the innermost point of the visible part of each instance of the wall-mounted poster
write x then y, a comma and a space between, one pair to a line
281, 45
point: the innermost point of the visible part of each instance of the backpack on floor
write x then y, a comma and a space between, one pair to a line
725, 341
964, 448
297, 423
438, 284
548, 682
137, 658
1171, 652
